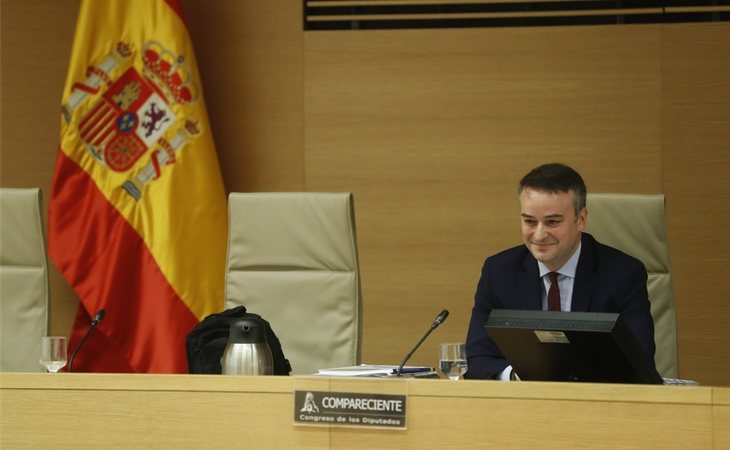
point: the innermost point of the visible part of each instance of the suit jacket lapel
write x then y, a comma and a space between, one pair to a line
585, 275
528, 281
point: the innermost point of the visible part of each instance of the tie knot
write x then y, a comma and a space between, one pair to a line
553, 277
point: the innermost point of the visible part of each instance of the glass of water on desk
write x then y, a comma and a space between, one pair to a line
452, 360
53, 353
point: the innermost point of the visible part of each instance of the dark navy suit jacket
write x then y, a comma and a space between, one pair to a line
606, 280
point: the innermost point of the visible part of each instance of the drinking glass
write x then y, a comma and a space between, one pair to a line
53, 353
452, 360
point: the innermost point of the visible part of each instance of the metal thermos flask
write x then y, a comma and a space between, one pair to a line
247, 352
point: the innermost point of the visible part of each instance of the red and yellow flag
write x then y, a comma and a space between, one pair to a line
137, 219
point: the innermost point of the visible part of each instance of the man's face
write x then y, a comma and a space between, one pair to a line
550, 228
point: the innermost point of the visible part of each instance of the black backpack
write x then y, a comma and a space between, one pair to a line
207, 341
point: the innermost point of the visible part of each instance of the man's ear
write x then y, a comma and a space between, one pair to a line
582, 218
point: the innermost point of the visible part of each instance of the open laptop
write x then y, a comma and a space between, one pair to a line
570, 346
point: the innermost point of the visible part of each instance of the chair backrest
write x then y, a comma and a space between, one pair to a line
636, 224
24, 307
292, 258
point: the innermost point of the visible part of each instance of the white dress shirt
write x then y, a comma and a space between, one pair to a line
566, 279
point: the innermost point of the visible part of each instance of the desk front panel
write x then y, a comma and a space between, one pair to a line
183, 411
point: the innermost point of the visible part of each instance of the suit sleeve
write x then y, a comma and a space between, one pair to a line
636, 309
484, 360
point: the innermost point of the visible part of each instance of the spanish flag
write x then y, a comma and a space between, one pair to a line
137, 218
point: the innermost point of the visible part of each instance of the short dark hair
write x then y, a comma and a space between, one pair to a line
556, 177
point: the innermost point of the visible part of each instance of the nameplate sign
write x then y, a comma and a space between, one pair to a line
349, 409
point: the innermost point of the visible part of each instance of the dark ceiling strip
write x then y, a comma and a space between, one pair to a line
374, 15
417, 9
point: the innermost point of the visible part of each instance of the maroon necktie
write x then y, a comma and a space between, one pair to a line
553, 293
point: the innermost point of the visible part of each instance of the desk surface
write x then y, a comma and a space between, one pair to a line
208, 411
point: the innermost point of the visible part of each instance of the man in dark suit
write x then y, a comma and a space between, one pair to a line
557, 256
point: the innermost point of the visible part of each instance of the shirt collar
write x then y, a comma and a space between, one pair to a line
568, 269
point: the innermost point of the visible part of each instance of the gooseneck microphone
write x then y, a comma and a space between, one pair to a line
438, 321
97, 318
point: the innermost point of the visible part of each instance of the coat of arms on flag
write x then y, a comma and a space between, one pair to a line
135, 111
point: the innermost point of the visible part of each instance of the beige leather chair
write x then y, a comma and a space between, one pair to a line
636, 225
292, 258
24, 307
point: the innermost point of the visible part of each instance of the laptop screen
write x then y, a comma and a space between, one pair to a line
570, 346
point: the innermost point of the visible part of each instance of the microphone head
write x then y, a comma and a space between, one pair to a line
99, 315
441, 317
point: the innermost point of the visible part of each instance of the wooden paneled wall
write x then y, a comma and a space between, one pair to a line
695, 174
431, 130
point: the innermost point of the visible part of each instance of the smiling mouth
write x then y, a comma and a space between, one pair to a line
543, 244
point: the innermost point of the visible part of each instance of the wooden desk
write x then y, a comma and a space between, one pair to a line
201, 411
